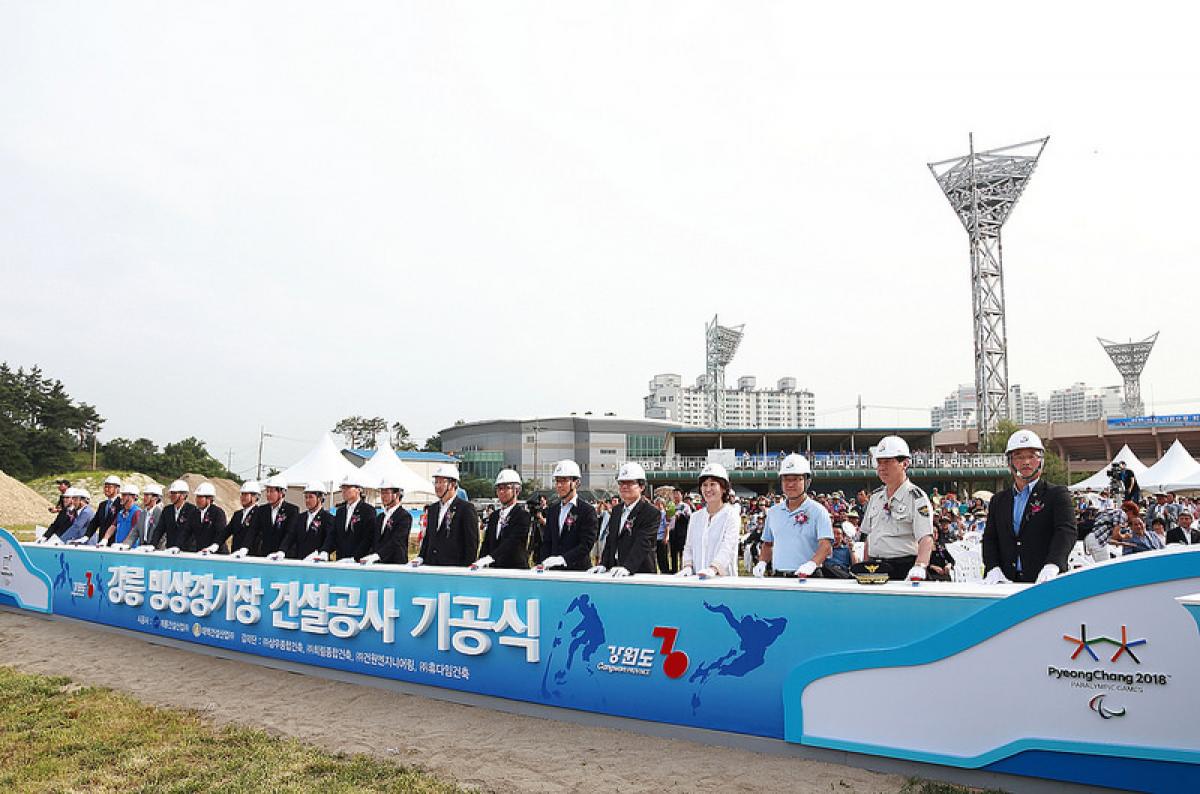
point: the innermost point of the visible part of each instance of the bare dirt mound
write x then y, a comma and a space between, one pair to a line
20, 504
228, 491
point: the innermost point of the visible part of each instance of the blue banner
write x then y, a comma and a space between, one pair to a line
1171, 420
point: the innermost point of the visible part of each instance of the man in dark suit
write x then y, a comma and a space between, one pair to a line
1185, 531
106, 511
308, 534
389, 541
633, 528
571, 524
506, 535
451, 524
180, 520
1031, 526
242, 529
353, 525
210, 532
275, 518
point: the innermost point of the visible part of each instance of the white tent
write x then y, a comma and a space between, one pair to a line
1186, 484
323, 464
385, 463
1175, 466
1099, 481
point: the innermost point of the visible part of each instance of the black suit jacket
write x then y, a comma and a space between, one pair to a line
62, 522
456, 542
351, 533
210, 529
243, 529
511, 549
271, 533
1175, 535
632, 547
1047, 532
179, 527
575, 540
304, 538
106, 516
390, 537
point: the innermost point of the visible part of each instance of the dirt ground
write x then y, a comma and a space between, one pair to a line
473, 746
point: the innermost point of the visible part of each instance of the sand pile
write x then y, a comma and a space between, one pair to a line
20, 504
228, 491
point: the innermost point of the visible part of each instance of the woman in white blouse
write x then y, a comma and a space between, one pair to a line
713, 530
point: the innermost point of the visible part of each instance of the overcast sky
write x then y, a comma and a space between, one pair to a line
217, 216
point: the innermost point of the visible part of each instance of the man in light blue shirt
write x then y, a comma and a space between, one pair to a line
798, 535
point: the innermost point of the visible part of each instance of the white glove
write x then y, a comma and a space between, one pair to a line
146, 548
103, 543
996, 576
120, 547
619, 572
482, 562
275, 556
53, 540
916, 573
1049, 572
760, 569
172, 550
553, 562
242, 552
685, 571
707, 573
77, 542
370, 559
416, 562
42, 540
597, 569
209, 549
313, 556
806, 569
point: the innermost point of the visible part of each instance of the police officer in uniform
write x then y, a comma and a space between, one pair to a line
451, 524
506, 534
898, 525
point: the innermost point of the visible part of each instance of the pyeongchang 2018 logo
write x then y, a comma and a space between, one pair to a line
1097, 677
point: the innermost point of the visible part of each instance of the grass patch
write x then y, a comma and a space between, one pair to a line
24, 532
58, 736
917, 786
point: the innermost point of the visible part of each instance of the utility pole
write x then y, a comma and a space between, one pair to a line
860, 412
261, 435
93, 451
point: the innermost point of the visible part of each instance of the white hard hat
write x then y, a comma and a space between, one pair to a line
206, 489
82, 493
714, 470
508, 477
354, 480
1024, 439
72, 492
892, 447
391, 484
179, 486
276, 482
447, 470
152, 488
129, 488
795, 464
315, 487
566, 468
251, 486
112, 480
630, 471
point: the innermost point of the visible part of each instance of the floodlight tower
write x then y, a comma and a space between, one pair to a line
1130, 358
983, 188
721, 343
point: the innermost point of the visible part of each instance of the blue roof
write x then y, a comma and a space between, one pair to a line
439, 457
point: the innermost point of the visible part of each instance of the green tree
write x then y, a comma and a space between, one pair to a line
40, 425
401, 439
433, 443
359, 432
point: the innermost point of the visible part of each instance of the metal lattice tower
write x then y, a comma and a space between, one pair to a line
983, 188
1130, 358
721, 343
